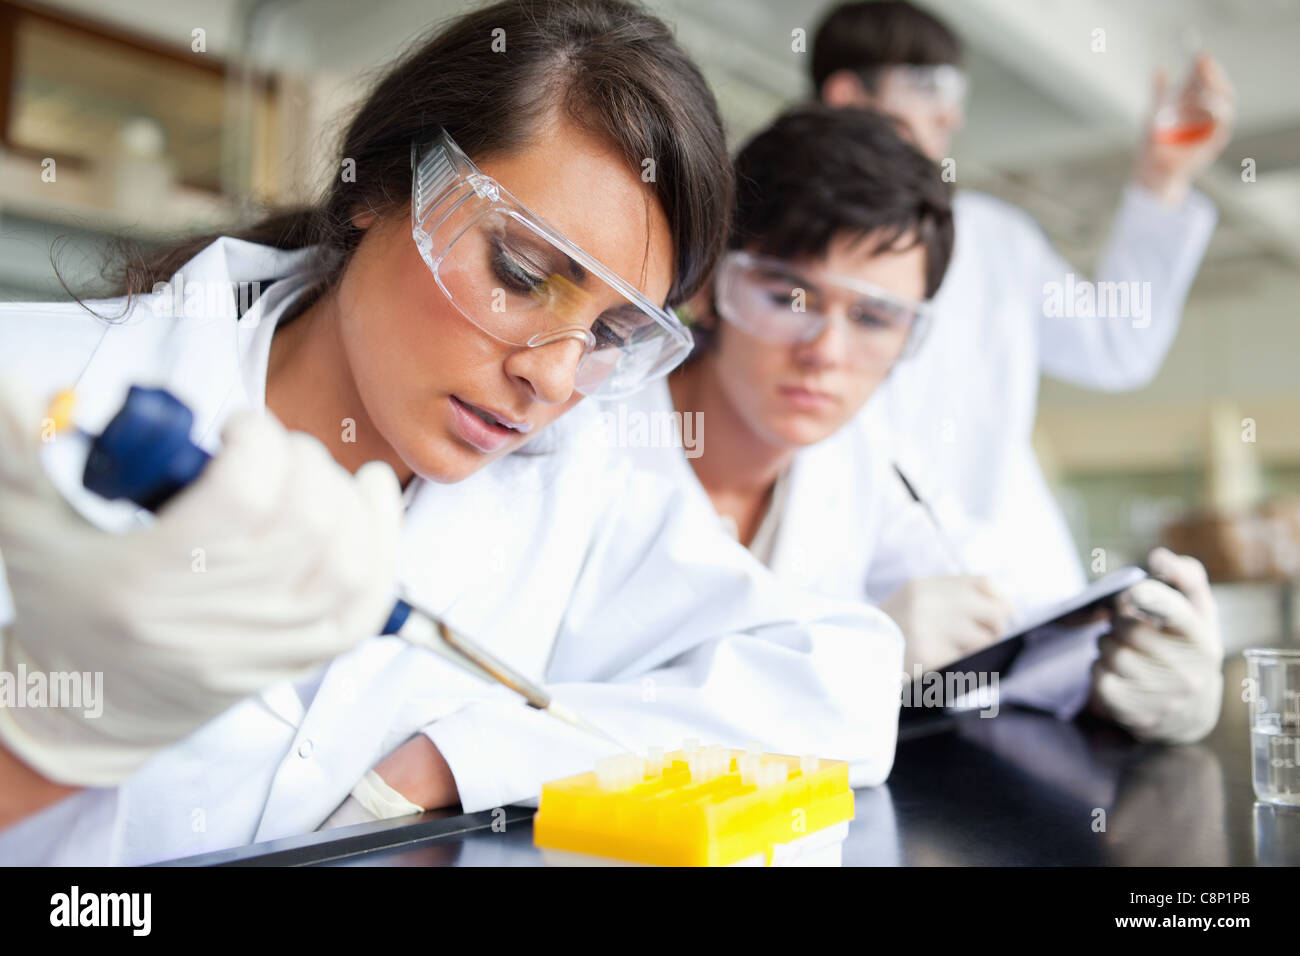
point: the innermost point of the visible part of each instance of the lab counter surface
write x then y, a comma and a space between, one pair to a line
1019, 789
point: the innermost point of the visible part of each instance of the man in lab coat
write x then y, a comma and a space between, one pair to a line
804, 319
1006, 311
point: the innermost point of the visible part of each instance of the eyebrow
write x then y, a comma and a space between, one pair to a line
576, 270
778, 272
542, 255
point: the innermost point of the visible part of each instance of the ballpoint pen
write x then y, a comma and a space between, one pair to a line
944, 540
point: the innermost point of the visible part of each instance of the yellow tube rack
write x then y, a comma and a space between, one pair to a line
693, 807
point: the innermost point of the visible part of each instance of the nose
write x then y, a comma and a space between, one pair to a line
549, 370
830, 346
949, 117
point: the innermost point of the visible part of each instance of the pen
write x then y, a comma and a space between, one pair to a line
944, 540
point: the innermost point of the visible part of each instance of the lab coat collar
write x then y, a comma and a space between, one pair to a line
209, 365
815, 497
197, 358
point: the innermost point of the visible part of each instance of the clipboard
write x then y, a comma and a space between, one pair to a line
1043, 627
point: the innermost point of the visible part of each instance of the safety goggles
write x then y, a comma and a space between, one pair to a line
523, 283
942, 85
784, 303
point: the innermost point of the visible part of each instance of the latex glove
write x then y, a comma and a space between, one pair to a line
274, 561
944, 619
1163, 681
371, 799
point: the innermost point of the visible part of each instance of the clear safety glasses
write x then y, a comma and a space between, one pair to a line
942, 85
523, 283
781, 302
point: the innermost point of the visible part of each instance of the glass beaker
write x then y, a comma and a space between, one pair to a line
1273, 690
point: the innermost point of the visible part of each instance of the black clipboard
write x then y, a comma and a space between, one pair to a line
1000, 657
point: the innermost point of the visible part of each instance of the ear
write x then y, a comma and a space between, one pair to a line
364, 220
844, 88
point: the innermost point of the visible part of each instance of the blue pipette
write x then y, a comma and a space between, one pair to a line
145, 456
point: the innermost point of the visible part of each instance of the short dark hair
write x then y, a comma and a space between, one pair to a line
865, 37
817, 172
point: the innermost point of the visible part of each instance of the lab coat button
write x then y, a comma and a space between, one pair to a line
304, 749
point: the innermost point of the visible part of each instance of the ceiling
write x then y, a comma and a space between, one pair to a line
1051, 127
1051, 123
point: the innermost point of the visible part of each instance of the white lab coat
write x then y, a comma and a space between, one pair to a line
961, 411
612, 587
848, 529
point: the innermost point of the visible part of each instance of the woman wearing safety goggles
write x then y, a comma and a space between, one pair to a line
433, 339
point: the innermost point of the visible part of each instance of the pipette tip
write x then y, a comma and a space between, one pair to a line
556, 709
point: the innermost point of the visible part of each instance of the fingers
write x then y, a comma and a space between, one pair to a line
1119, 654
988, 618
983, 585
1209, 88
989, 607
1209, 73
322, 517
20, 411
1188, 637
938, 649
972, 638
1127, 705
315, 566
946, 618
349, 527
1159, 600
1155, 703
1179, 662
242, 488
1187, 575
382, 514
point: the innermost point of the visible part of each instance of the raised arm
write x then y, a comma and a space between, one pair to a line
1159, 236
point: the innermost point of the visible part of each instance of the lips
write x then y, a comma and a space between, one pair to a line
493, 418
806, 398
483, 428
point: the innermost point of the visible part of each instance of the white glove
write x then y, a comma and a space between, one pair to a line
371, 799
1160, 670
273, 562
944, 619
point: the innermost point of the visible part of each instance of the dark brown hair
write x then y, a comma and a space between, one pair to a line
610, 66
819, 172
865, 37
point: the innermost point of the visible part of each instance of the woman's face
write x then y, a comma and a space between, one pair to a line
793, 395
419, 365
